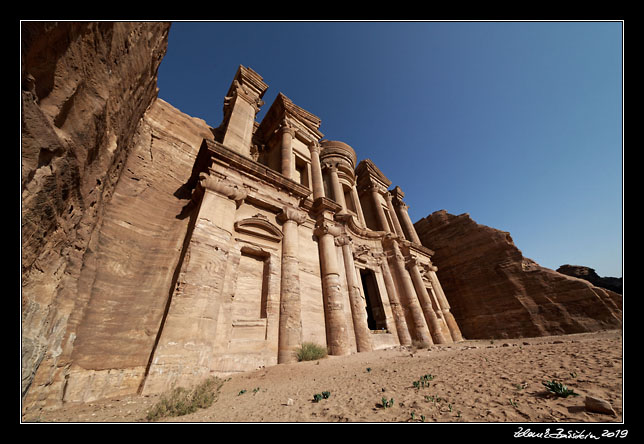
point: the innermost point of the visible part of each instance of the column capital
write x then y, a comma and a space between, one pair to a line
374, 187
400, 204
314, 146
224, 187
243, 91
411, 262
343, 239
325, 227
286, 128
332, 167
290, 213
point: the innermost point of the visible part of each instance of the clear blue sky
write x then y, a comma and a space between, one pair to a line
518, 124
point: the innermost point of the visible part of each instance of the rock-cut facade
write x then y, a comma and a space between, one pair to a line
291, 240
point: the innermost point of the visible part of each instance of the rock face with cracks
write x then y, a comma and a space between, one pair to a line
495, 292
85, 89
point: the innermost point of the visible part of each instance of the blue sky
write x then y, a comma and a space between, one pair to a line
518, 124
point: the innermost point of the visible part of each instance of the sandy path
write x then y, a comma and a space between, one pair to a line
473, 381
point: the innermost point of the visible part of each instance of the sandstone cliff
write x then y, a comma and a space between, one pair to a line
589, 274
85, 89
495, 292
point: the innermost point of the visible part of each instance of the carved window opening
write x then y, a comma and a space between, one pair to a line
348, 198
389, 220
376, 319
301, 173
251, 290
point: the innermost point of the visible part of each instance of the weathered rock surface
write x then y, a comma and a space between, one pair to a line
495, 292
85, 89
589, 274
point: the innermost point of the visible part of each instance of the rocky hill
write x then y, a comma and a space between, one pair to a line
589, 274
495, 292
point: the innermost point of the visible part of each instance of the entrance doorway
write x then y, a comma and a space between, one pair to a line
375, 312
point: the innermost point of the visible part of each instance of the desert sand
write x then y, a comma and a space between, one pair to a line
474, 381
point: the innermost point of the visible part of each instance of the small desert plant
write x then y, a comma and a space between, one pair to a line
182, 401
558, 389
423, 381
310, 351
386, 404
320, 396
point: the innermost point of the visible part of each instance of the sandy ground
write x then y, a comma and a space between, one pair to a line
472, 381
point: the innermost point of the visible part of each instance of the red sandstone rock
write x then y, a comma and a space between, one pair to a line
85, 89
495, 292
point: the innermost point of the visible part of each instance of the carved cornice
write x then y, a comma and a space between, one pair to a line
305, 123
322, 204
216, 150
247, 85
368, 173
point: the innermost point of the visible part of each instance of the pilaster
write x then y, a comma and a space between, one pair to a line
184, 348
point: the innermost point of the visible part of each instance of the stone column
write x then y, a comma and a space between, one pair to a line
409, 299
337, 187
358, 304
356, 200
380, 213
394, 217
406, 221
454, 330
287, 150
336, 323
185, 345
425, 301
316, 171
394, 301
290, 321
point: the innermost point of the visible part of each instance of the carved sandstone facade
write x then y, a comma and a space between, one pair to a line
291, 240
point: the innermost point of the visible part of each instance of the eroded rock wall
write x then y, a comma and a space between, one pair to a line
85, 88
495, 292
590, 275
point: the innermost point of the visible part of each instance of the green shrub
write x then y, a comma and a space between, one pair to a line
557, 388
182, 401
310, 352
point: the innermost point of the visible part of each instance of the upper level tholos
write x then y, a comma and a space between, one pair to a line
288, 140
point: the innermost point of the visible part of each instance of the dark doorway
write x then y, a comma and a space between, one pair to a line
375, 313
